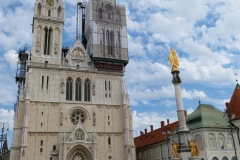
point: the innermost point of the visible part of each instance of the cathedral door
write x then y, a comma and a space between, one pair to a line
79, 153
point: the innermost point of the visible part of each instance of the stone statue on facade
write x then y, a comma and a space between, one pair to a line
193, 146
173, 59
175, 148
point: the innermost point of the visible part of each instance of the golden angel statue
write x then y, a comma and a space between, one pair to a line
175, 148
193, 146
173, 59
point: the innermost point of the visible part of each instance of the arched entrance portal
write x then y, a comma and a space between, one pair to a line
79, 153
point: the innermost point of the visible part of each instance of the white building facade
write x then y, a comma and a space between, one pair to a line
72, 102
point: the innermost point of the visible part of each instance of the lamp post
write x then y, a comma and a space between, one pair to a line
166, 132
4, 127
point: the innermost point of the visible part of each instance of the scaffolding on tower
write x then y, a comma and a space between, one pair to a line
81, 23
21, 72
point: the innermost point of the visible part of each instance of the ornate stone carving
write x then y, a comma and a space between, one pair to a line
79, 135
78, 55
94, 89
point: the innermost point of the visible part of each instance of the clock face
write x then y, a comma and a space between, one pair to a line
108, 7
50, 2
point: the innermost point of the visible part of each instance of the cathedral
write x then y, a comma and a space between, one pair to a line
72, 103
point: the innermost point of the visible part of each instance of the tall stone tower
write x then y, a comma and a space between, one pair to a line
72, 102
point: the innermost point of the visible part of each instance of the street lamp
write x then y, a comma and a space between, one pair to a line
4, 127
166, 132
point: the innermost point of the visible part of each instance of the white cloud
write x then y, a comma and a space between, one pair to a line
145, 119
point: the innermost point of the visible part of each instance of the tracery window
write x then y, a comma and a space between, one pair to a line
69, 88
224, 158
215, 158
77, 116
87, 90
78, 89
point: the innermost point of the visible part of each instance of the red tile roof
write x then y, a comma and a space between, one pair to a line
233, 107
154, 136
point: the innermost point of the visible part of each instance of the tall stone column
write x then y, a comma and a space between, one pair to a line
182, 130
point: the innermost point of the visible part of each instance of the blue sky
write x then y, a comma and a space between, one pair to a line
205, 33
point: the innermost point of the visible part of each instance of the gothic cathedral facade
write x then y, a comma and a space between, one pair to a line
72, 103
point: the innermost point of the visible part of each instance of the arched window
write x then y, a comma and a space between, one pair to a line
221, 143
234, 158
39, 9
109, 141
215, 158
47, 40
78, 89
211, 141
119, 40
199, 141
108, 42
224, 158
69, 88
103, 43
229, 141
49, 13
87, 90
100, 13
112, 43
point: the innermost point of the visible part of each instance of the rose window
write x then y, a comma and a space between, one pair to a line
77, 116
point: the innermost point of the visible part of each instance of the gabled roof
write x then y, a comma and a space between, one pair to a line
233, 107
207, 116
154, 136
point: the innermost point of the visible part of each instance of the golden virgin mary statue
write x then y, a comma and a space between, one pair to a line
173, 59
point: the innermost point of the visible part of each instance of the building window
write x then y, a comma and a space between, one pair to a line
229, 141
47, 40
47, 82
49, 12
100, 13
42, 81
41, 142
108, 42
221, 143
77, 116
112, 43
199, 141
234, 158
211, 141
41, 150
54, 147
78, 89
87, 90
69, 88
224, 158
109, 141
